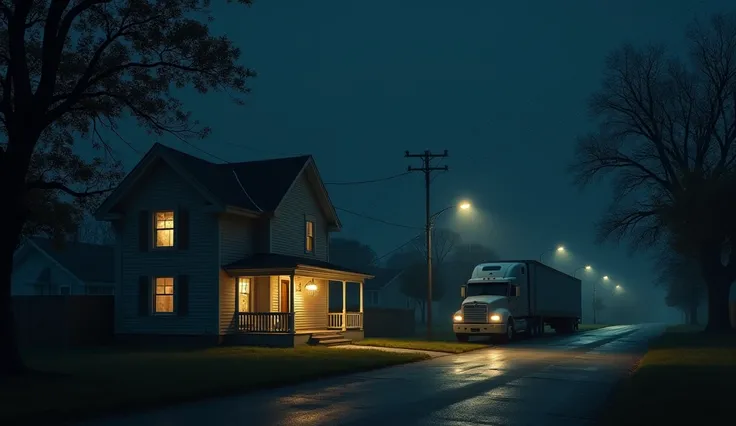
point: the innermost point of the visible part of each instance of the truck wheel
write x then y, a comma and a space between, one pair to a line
462, 337
510, 331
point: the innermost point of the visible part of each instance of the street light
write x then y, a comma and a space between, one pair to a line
587, 268
558, 249
465, 205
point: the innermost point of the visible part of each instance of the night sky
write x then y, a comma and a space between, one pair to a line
501, 85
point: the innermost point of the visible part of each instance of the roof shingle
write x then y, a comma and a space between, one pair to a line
277, 261
265, 181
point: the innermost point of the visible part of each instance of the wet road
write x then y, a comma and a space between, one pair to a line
549, 381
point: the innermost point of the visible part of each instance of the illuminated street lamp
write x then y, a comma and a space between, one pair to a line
558, 249
464, 206
587, 268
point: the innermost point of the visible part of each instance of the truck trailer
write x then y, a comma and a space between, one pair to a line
508, 297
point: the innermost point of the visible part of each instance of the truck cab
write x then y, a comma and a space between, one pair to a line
490, 305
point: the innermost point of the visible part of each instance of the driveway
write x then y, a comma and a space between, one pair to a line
548, 381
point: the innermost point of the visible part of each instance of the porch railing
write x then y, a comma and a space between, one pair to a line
263, 322
353, 320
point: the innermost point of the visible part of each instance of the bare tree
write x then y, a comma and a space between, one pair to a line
666, 136
93, 231
71, 70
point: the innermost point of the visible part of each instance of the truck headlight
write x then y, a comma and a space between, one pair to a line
458, 318
495, 317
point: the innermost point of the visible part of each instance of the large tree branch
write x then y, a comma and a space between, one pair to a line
60, 186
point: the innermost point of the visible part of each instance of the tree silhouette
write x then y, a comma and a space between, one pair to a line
413, 262
684, 284
71, 70
666, 133
352, 254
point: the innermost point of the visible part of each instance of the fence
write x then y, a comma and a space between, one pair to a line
385, 322
64, 321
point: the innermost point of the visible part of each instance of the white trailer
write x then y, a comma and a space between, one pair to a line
517, 296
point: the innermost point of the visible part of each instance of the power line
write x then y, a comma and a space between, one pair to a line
427, 156
361, 182
385, 222
396, 249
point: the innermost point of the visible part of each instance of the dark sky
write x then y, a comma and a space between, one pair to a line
501, 84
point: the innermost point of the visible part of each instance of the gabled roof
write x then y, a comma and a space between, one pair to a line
87, 262
254, 186
383, 277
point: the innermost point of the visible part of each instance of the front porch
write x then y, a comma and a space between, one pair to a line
274, 304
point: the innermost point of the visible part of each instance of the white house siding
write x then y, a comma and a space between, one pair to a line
164, 189
30, 265
236, 242
288, 231
310, 306
274, 281
228, 321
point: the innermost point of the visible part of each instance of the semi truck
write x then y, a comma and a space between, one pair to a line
502, 299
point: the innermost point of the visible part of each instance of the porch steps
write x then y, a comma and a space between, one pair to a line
329, 338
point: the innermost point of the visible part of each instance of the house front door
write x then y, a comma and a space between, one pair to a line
284, 296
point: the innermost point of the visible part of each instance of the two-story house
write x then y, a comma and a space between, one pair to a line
234, 252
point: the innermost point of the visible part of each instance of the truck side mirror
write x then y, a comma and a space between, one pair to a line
517, 291
463, 291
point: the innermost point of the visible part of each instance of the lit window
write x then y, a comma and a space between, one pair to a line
244, 294
164, 296
309, 243
164, 229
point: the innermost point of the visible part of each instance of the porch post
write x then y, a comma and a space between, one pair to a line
292, 293
344, 306
361, 304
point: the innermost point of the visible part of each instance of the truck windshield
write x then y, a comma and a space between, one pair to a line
488, 289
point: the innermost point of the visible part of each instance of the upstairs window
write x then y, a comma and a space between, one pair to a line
309, 232
164, 227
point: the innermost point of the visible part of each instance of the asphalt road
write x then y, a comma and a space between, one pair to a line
544, 382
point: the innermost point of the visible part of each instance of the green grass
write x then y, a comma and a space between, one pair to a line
86, 383
685, 378
436, 345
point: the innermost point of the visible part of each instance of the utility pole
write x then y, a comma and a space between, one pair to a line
427, 169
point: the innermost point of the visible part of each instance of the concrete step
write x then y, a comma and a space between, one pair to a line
334, 342
324, 336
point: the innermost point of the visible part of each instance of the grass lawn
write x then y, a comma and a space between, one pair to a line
85, 383
685, 378
442, 341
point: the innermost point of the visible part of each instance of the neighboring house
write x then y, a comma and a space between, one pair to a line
226, 252
42, 268
384, 291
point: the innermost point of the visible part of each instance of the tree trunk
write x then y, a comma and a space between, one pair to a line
692, 316
718, 306
11, 362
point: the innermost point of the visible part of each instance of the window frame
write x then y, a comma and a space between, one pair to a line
155, 229
307, 221
155, 294
249, 280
